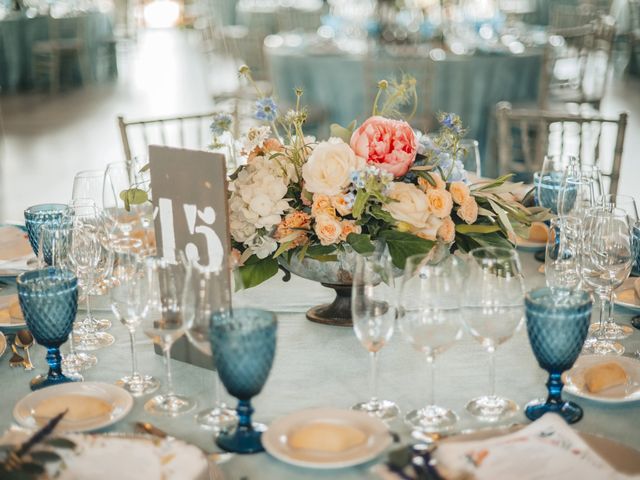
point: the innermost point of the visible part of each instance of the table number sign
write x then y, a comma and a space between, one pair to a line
190, 214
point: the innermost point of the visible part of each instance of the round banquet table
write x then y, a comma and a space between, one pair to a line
18, 33
318, 365
267, 16
334, 80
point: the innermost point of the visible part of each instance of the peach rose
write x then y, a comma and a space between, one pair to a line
322, 205
387, 144
459, 192
425, 185
430, 230
291, 229
408, 204
468, 211
440, 202
273, 145
349, 226
447, 231
328, 229
328, 169
342, 204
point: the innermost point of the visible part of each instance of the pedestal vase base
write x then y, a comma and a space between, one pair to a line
337, 313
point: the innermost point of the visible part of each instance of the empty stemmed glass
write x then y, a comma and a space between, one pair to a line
557, 325
493, 311
212, 291
169, 315
562, 266
373, 309
87, 184
549, 180
130, 304
606, 259
429, 318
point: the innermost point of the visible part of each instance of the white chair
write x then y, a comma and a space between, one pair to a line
526, 136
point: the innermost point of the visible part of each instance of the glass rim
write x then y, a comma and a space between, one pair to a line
25, 277
530, 298
506, 252
46, 208
88, 173
268, 318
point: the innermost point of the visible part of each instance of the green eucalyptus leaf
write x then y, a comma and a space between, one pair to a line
135, 196
464, 228
31, 467
17, 475
42, 456
145, 168
361, 242
60, 443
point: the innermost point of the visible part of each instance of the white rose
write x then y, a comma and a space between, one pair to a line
263, 246
328, 170
430, 230
410, 205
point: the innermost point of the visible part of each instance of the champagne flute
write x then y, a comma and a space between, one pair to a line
493, 311
169, 315
606, 262
213, 298
130, 303
374, 313
429, 319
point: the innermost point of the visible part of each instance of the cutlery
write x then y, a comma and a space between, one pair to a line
24, 340
16, 359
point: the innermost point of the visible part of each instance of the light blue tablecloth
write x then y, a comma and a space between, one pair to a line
469, 85
19, 33
318, 365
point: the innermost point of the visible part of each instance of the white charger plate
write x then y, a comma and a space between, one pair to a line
5, 303
120, 400
627, 301
275, 439
622, 394
3, 344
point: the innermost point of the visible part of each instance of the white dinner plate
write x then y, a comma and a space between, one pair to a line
275, 439
6, 319
529, 246
3, 344
16, 254
119, 399
626, 297
630, 392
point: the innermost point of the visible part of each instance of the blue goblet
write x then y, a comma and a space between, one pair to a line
243, 343
49, 301
38, 215
557, 324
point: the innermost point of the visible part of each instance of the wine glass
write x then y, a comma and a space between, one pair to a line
606, 260
470, 156
92, 260
87, 184
549, 180
580, 190
561, 268
373, 309
37, 215
49, 301
212, 297
243, 341
130, 303
55, 251
169, 315
557, 325
493, 311
429, 319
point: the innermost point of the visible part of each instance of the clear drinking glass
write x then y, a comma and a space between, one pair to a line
429, 319
169, 316
606, 260
549, 181
130, 304
87, 184
213, 297
493, 310
373, 309
580, 190
471, 156
561, 266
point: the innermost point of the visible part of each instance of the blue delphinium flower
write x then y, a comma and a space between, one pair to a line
221, 123
266, 109
357, 180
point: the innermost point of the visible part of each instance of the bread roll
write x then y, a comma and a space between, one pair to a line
326, 437
604, 376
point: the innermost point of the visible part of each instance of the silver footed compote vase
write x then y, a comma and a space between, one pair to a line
338, 275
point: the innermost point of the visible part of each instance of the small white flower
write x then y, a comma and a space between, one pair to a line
255, 138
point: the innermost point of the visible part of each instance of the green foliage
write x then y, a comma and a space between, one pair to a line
133, 196
256, 270
361, 243
341, 132
403, 245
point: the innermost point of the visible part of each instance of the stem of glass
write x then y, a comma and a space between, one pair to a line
492, 370
373, 376
216, 389
89, 325
134, 356
166, 349
431, 373
603, 306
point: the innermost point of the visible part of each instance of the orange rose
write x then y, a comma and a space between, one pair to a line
341, 204
349, 226
439, 202
322, 205
328, 229
468, 211
291, 229
425, 185
459, 192
447, 231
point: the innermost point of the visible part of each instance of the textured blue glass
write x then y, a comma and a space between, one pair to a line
49, 302
636, 248
547, 191
38, 215
557, 325
243, 345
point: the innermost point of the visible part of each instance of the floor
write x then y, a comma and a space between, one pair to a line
45, 140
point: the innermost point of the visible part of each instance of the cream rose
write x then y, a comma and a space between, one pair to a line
439, 202
349, 226
430, 230
468, 211
409, 205
328, 170
459, 192
343, 204
425, 185
447, 231
322, 205
328, 229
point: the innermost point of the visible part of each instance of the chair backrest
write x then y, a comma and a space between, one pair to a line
562, 15
186, 131
526, 136
387, 67
576, 63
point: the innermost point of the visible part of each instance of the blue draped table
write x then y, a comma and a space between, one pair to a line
18, 34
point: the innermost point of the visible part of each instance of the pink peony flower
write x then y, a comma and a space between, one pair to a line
387, 144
